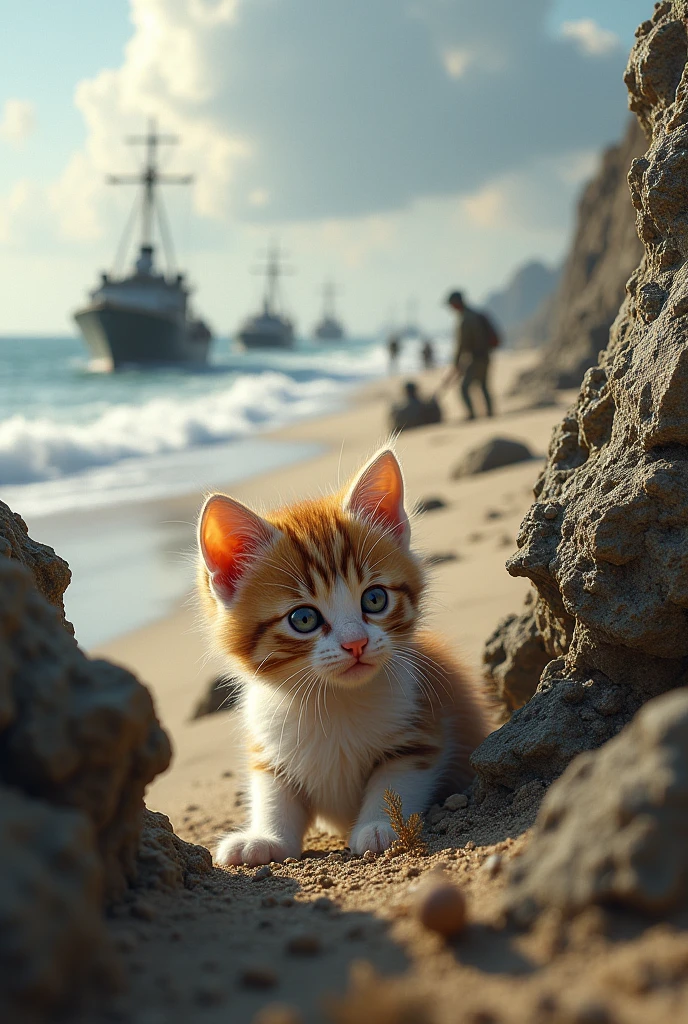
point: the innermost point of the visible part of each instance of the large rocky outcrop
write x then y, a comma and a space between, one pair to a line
79, 742
614, 828
51, 574
576, 319
606, 542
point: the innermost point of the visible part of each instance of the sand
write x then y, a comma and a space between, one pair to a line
238, 947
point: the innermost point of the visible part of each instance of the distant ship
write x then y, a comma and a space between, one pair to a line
329, 328
144, 318
271, 328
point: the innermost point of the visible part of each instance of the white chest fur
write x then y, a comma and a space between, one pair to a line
327, 741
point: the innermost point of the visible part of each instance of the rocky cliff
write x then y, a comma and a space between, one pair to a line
605, 543
605, 251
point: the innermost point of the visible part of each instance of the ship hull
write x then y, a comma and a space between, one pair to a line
122, 337
256, 338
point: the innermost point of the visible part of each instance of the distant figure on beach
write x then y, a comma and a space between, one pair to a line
476, 338
427, 354
394, 348
414, 411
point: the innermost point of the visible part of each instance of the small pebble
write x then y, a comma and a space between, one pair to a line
143, 910
493, 865
470, 845
456, 802
268, 901
304, 945
291, 860
412, 872
287, 901
441, 907
262, 873
369, 856
258, 976
325, 882
551, 512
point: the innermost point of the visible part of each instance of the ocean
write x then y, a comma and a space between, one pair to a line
75, 442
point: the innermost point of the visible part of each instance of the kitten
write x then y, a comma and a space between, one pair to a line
316, 607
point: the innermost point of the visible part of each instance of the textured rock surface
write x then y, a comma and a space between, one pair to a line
614, 828
165, 861
605, 543
51, 573
498, 451
605, 251
74, 732
52, 937
515, 657
79, 741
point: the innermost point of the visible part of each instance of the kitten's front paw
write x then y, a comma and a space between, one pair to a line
375, 836
250, 849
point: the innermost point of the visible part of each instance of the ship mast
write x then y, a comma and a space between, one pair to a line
150, 177
273, 270
329, 291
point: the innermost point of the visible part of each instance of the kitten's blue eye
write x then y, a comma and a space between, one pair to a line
374, 599
305, 620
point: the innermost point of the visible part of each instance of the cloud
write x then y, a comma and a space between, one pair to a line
592, 40
18, 121
291, 110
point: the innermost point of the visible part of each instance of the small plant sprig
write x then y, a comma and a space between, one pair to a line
409, 831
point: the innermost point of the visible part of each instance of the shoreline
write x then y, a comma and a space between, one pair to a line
467, 541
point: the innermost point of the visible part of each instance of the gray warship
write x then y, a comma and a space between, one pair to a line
270, 328
329, 327
144, 318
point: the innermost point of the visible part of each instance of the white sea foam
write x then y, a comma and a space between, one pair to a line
45, 449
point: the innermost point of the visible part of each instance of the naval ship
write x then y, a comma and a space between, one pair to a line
144, 317
329, 328
269, 328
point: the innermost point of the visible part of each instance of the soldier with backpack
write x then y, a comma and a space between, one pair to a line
476, 339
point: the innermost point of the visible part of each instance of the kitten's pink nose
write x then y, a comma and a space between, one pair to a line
356, 647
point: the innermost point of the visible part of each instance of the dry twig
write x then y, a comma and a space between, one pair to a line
409, 831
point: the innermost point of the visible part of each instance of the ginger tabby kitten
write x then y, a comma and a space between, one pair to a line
316, 608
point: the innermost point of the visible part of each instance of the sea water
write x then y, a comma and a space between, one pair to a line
74, 443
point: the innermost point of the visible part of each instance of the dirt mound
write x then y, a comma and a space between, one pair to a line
604, 252
604, 543
614, 828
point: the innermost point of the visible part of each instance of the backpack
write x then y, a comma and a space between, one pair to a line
492, 335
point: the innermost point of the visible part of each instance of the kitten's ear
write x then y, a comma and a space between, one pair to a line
229, 535
377, 494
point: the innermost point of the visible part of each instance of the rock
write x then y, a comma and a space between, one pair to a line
514, 659
440, 906
614, 828
75, 732
612, 566
258, 976
52, 935
456, 802
165, 862
222, 694
262, 873
79, 742
424, 505
574, 323
499, 451
304, 945
51, 574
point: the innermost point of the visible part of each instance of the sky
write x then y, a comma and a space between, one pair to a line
398, 147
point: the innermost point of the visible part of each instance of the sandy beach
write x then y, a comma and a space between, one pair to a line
467, 541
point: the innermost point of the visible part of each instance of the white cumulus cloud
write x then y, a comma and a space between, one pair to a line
18, 121
592, 39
